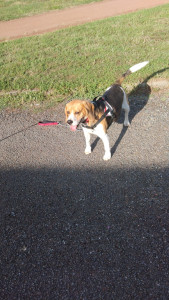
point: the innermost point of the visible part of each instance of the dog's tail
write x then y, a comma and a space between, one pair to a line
131, 70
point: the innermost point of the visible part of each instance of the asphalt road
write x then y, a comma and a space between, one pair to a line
77, 227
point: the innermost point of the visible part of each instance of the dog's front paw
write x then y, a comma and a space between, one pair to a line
107, 156
88, 150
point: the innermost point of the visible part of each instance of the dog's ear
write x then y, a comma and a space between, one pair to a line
86, 107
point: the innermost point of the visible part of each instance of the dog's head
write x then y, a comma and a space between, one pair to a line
76, 112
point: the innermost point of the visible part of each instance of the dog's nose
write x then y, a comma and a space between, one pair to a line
69, 122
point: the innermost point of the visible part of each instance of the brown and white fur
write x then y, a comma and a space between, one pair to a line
79, 111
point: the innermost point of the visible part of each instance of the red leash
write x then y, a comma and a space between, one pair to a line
48, 123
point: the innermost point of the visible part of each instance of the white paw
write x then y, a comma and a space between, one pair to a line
107, 156
88, 150
126, 123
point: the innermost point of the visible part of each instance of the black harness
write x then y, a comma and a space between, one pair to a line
108, 109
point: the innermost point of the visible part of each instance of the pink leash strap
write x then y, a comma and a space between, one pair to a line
48, 123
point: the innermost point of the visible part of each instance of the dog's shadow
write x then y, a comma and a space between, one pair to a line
138, 98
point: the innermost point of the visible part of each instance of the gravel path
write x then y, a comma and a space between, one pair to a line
54, 20
76, 227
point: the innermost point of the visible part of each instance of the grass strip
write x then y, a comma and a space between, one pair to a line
13, 9
82, 61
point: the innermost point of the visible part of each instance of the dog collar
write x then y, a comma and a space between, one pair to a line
84, 121
87, 120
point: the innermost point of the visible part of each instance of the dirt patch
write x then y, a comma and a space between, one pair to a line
159, 83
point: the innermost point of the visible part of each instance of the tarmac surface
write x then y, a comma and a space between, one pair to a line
77, 227
54, 20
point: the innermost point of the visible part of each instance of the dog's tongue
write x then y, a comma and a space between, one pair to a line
73, 127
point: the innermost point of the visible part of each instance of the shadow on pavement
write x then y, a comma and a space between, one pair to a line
84, 234
138, 99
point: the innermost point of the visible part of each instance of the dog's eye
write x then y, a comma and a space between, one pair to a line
68, 112
77, 112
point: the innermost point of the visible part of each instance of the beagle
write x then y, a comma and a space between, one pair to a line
96, 116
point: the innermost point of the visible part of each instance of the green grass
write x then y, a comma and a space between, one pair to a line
82, 61
12, 9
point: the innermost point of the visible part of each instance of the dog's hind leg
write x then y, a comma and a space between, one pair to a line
126, 107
